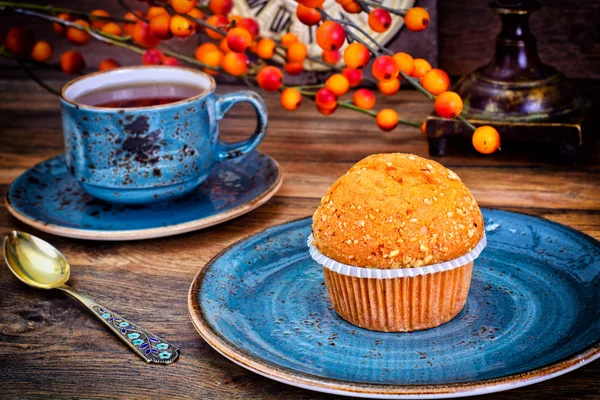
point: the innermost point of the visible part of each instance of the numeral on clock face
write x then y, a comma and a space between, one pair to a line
257, 6
282, 20
312, 31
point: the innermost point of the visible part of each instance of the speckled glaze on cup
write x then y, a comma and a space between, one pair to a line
147, 154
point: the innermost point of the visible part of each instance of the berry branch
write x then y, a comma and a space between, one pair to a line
57, 10
80, 27
236, 48
352, 37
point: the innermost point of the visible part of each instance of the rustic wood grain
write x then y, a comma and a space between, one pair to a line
51, 347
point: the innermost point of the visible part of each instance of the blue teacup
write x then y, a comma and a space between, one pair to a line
152, 153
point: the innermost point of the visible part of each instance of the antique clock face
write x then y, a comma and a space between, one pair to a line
277, 17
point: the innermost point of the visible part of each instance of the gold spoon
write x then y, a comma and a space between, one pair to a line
39, 264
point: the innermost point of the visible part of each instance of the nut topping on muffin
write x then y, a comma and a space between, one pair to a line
397, 211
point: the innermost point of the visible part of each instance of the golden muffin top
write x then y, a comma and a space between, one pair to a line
397, 211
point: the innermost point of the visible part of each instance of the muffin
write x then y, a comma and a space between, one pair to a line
397, 236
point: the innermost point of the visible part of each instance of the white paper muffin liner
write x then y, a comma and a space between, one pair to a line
378, 273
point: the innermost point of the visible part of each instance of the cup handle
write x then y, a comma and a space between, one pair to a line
227, 151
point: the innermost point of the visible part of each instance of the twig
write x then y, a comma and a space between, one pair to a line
189, 60
52, 9
171, 10
467, 123
347, 104
131, 10
38, 80
396, 11
415, 83
9, 55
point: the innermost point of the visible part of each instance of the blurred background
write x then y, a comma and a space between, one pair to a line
460, 38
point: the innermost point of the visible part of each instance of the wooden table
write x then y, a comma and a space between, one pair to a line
50, 347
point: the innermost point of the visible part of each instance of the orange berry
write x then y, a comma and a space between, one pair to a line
387, 119
435, 81
19, 41
311, 3
421, 67
205, 48
270, 78
326, 111
356, 55
238, 39
265, 48
389, 87
343, 2
405, 63
235, 64
42, 51
154, 11
152, 57
288, 39
197, 14
161, 26
108, 64
223, 46
251, 25
183, 6
129, 28
293, 67
212, 58
486, 139
352, 7
326, 99
331, 57
235, 19
59, 29
291, 99
308, 16
143, 36
98, 23
364, 98
416, 19
181, 26
112, 29
448, 105
171, 61
354, 76
222, 7
297, 52
330, 36
380, 20
385, 68
78, 36
424, 128
338, 83
217, 21
72, 62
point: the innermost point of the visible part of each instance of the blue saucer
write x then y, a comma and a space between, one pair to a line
533, 313
48, 198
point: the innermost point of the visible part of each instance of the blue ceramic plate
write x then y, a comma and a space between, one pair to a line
48, 198
532, 314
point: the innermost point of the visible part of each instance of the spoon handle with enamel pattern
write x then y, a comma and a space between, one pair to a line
147, 345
